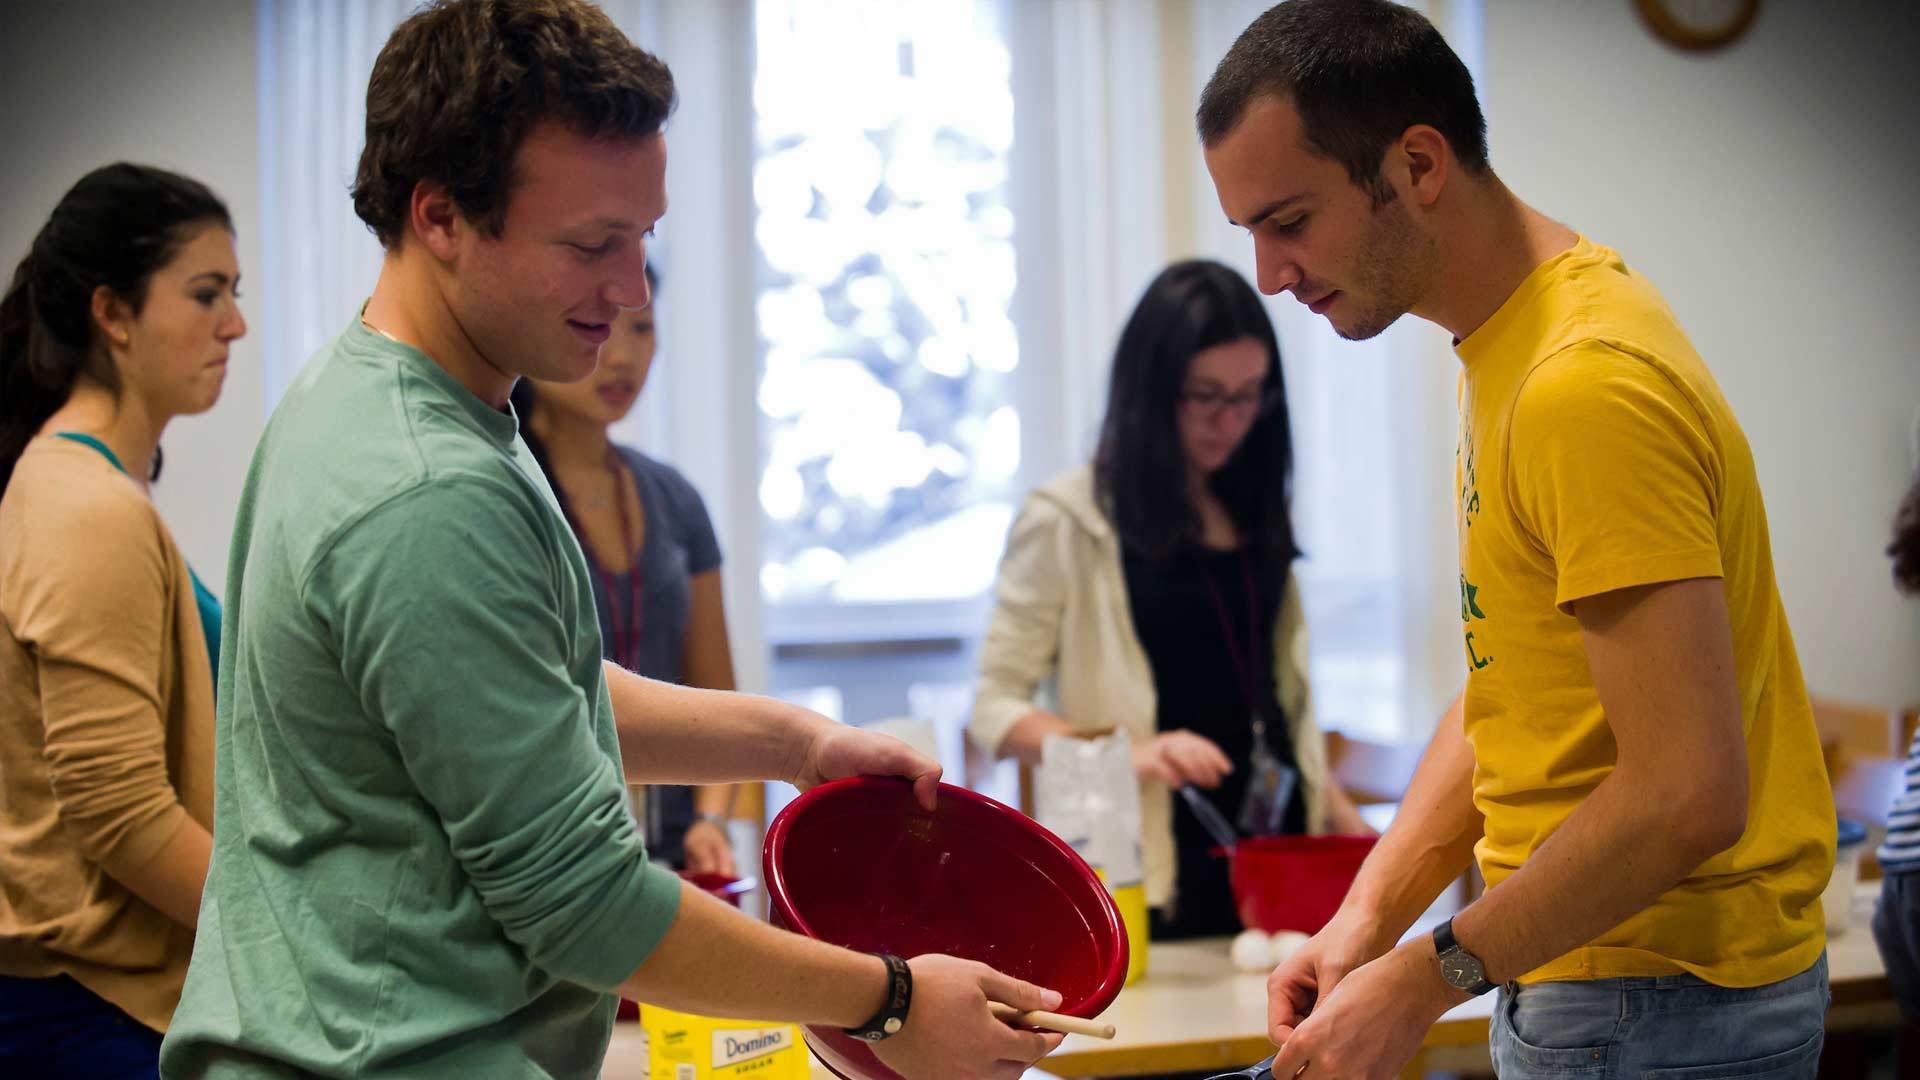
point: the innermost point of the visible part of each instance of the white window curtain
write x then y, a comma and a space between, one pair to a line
320, 260
1091, 199
698, 411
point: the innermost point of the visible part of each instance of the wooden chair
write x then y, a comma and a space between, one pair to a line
1865, 747
1376, 774
1372, 773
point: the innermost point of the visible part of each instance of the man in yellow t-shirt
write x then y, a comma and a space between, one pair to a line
1634, 761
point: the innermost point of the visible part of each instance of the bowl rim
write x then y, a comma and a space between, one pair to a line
774, 874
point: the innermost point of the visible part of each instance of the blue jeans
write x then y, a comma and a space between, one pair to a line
1896, 929
1670, 1028
58, 1028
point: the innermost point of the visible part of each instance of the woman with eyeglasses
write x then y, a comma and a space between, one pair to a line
1154, 588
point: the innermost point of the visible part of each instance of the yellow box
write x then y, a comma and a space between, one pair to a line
1131, 899
683, 1046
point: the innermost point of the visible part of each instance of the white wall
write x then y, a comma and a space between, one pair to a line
1767, 190
90, 82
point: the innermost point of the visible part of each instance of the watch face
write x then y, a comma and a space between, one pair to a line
1462, 971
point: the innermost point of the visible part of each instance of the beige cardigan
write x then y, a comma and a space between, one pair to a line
1061, 612
106, 727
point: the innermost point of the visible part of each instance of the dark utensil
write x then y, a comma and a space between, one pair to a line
1262, 1071
1211, 819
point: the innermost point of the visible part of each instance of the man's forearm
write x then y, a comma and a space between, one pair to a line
678, 735
1626, 845
1430, 842
717, 962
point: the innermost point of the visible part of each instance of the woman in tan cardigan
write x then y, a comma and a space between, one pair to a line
118, 319
1154, 590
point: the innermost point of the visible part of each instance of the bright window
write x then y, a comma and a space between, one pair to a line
891, 446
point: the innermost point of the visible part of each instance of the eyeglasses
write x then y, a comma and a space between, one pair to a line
1211, 403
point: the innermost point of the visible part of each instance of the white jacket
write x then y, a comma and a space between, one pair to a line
1061, 614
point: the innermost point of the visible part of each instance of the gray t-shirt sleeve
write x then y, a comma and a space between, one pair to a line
445, 603
687, 514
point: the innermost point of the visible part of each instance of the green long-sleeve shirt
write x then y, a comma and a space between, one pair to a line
423, 865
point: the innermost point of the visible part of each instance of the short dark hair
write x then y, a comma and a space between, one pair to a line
116, 227
1361, 72
461, 83
1139, 468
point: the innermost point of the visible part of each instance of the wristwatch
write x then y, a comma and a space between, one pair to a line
1461, 969
893, 1011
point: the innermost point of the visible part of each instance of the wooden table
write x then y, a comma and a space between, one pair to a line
1193, 1012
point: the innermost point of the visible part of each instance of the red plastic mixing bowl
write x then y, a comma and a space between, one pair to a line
1294, 882
859, 863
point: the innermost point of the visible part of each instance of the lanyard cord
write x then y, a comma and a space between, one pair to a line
626, 630
1243, 662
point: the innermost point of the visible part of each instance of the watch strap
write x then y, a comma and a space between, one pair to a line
1444, 944
893, 1010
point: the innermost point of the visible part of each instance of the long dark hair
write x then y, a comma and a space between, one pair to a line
525, 398
116, 227
1139, 468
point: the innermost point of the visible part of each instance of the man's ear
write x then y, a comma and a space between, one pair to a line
1424, 160
435, 219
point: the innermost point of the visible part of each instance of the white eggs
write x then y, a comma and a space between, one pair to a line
1252, 951
1284, 944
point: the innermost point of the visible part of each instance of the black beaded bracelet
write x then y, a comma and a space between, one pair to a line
893, 1011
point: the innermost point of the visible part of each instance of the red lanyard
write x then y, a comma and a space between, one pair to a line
626, 631
1243, 662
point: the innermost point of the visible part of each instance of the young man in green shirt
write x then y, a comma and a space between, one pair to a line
423, 865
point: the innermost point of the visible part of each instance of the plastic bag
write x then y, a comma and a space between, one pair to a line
1085, 793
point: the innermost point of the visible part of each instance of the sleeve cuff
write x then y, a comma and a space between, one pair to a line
1583, 582
993, 719
141, 843
613, 945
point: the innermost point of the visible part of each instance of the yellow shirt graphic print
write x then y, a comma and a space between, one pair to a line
1597, 453
1469, 507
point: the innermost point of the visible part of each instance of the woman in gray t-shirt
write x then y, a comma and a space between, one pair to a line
655, 562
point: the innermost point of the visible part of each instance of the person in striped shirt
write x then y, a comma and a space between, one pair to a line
1896, 921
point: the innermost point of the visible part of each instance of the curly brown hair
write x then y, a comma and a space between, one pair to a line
1905, 548
461, 83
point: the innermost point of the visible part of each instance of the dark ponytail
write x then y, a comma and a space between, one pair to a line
116, 227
